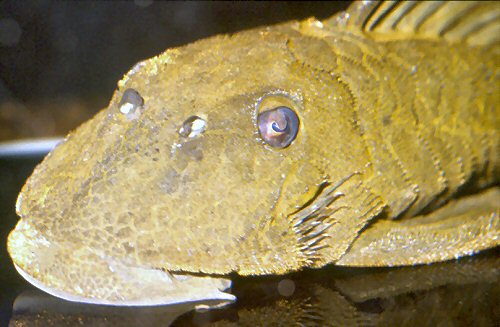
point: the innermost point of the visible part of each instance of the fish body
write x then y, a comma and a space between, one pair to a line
368, 139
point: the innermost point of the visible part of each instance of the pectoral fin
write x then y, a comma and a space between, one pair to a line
462, 227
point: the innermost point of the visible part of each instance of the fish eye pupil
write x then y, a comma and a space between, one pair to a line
276, 127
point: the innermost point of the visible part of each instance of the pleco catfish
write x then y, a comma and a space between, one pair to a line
368, 139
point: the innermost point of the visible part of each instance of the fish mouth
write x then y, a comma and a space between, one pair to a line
215, 298
79, 274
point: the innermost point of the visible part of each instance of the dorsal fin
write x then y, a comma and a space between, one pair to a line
473, 22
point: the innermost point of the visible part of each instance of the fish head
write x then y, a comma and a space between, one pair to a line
194, 167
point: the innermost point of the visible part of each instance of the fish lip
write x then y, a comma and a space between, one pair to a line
222, 300
33, 281
26, 246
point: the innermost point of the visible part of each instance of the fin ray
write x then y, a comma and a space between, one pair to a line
476, 23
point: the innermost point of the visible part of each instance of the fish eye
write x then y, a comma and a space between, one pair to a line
278, 127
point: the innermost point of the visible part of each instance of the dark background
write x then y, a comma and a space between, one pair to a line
60, 62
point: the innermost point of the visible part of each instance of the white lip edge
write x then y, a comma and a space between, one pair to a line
221, 296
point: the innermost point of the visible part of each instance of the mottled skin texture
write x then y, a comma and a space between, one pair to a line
391, 126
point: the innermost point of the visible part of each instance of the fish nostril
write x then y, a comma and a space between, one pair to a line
130, 103
192, 127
